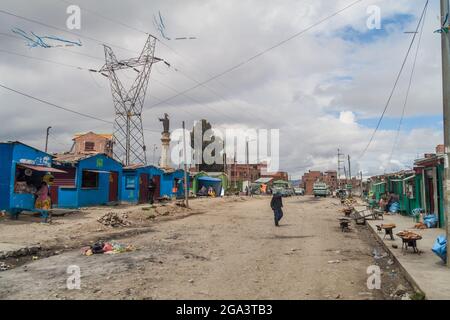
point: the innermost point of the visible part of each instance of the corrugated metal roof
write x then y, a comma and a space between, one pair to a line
26, 145
71, 158
104, 135
135, 166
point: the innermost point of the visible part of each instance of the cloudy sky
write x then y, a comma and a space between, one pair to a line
324, 90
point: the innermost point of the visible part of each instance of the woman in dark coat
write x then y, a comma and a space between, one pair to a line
277, 204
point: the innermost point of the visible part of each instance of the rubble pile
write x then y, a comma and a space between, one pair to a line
114, 219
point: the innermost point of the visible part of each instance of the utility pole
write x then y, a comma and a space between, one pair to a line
350, 173
339, 167
248, 163
154, 154
186, 194
46, 139
349, 169
445, 43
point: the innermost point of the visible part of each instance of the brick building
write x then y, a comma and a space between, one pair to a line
309, 179
280, 175
331, 179
243, 172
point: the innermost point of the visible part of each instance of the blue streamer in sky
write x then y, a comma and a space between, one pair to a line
34, 40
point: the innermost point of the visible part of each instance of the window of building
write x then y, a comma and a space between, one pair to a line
89, 146
89, 179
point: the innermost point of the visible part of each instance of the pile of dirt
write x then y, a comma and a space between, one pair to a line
114, 219
171, 209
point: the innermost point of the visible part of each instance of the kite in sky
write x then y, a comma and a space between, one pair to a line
158, 22
34, 40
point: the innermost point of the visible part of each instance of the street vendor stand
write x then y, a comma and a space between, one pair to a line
22, 170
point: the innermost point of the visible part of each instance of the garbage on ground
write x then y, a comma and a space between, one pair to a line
394, 208
114, 219
4, 266
440, 247
377, 255
431, 221
334, 261
106, 248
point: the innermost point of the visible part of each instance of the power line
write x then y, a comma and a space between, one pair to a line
166, 45
198, 84
408, 90
262, 52
96, 71
395, 84
63, 108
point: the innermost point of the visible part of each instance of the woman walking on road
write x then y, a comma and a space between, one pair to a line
277, 204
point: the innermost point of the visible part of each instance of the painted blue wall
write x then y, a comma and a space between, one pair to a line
5, 174
80, 197
167, 183
12, 154
132, 195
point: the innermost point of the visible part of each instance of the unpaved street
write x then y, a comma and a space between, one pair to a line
230, 251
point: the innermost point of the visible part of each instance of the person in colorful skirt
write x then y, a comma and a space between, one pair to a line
43, 202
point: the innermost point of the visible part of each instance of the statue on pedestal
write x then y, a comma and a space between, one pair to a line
165, 122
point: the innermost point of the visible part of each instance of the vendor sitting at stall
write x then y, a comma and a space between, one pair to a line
211, 192
203, 192
383, 203
43, 202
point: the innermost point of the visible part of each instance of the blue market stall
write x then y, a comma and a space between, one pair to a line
22, 170
172, 184
90, 180
208, 182
136, 180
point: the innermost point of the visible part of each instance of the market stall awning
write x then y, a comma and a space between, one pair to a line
41, 168
209, 179
264, 180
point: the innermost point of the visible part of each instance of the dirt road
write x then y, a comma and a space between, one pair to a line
231, 251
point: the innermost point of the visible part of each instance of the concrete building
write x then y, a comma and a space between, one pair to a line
92, 143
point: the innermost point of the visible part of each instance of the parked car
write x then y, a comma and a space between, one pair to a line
299, 191
288, 192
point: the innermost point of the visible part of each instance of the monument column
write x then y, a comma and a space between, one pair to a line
165, 143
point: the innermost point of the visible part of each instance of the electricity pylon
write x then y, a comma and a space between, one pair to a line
128, 136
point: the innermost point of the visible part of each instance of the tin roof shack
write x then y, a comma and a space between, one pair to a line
429, 185
22, 169
135, 182
90, 180
172, 184
403, 185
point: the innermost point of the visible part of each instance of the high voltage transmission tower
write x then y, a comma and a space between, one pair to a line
129, 146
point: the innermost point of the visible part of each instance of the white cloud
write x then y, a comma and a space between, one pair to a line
314, 88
